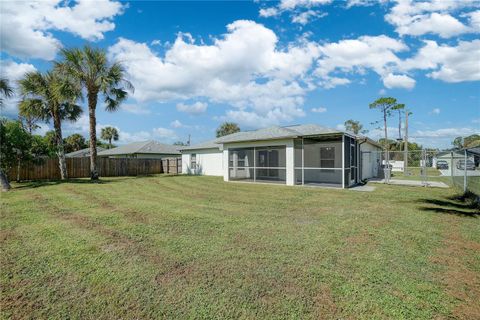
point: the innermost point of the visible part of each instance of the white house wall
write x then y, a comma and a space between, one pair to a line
209, 162
370, 156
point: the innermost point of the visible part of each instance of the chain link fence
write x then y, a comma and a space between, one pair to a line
458, 168
465, 171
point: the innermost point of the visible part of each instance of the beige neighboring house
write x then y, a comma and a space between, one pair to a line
82, 153
142, 150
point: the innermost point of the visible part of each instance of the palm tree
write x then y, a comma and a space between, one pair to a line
227, 128
109, 134
90, 68
49, 96
6, 91
75, 142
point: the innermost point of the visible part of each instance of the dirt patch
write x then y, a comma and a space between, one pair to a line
460, 282
130, 214
116, 239
324, 303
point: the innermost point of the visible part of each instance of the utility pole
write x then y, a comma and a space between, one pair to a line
400, 124
188, 142
405, 147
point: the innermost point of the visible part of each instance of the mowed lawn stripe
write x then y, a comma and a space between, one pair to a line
186, 246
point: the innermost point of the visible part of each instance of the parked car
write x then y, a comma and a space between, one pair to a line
461, 165
442, 165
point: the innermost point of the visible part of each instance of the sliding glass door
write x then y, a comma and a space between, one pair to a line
258, 164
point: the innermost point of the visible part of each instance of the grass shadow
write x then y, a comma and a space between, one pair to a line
103, 180
461, 205
45, 183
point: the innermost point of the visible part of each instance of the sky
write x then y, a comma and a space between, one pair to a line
197, 64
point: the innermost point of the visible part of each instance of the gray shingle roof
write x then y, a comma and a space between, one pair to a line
211, 144
82, 153
151, 146
276, 132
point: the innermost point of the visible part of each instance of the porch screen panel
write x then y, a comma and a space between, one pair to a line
270, 164
322, 160
351, 161
259, 164
241, 164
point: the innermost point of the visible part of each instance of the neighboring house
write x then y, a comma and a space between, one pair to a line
292, 155
82, 153
145, 150
449, 155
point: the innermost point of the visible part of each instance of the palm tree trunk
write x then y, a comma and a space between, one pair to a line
4, 181
110, 143
92, 104
18, 170
60, 148
387, 155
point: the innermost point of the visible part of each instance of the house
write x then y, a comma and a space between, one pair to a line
292, 155
82, 153
144, 149
448, 156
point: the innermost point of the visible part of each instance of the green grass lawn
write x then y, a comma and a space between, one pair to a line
197, 247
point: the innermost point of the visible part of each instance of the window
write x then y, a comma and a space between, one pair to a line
193, 161
327, 157
241, 158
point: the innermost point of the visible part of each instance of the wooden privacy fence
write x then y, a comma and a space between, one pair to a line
107, 167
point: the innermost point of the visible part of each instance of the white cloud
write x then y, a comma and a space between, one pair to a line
134, 108
421, 17
449, 63
13, 72
331, 82
301, 9
305, 17
444, 133
363, 3
474, 19
379, 53
319, 110
477, 120
27, 25
356, 56
268, 12
193, 109
398, 81
82, 126
243, 69
292, 4
176, 124
435, 111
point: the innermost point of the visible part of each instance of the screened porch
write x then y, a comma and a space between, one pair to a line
258, 164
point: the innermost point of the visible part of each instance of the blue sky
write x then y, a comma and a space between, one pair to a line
196, 64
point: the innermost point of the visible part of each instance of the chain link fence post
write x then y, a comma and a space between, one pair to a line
465, 173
